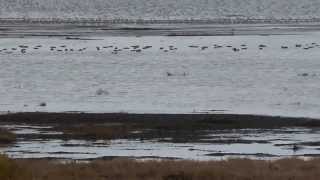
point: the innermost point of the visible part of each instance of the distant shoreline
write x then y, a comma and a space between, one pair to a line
100, 27
226, 20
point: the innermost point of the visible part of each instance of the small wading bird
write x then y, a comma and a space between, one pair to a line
295, 148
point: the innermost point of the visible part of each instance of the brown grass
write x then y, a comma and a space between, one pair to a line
6, 137
123, 169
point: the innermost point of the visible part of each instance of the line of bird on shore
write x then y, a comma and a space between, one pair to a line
137, 48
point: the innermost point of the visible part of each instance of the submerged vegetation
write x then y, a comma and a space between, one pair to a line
96, 131
125, 169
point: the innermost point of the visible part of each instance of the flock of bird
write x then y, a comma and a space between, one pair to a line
138, 48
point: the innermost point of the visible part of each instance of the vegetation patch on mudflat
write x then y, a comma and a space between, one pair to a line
177, 128
6, 137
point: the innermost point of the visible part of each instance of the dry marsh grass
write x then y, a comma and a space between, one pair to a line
124, 169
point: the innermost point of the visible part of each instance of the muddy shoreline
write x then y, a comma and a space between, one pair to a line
89, 136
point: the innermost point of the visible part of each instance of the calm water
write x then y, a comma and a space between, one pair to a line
273, 75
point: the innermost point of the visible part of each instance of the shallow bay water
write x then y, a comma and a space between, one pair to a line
270, 71
251, 74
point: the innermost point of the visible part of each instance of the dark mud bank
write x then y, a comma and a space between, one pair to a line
214, 120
